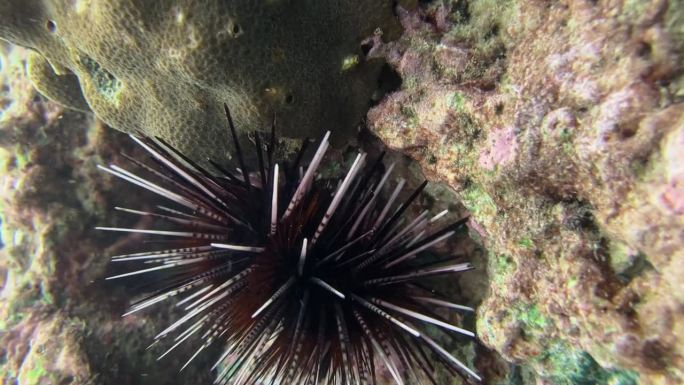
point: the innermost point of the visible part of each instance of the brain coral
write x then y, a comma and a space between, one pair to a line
166, 67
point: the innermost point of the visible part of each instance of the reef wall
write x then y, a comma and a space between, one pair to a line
60, 322
560, 125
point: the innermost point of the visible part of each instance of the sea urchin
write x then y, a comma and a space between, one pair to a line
303, 279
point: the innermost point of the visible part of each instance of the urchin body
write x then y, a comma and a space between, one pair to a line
305, 280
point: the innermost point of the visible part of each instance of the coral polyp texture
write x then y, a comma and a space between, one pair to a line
165, 68
297, 277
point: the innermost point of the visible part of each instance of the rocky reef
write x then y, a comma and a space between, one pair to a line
165, 68
560, 125
60, 322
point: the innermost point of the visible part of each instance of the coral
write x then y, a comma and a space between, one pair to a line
166, 67
560, 126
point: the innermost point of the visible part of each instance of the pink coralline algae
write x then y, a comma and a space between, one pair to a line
500, 149
673, 196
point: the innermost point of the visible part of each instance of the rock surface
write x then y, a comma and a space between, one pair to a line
59, 322
561, 127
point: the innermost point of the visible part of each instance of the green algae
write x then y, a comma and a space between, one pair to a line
501, 267
503, 264
478, 202
532, 318
480, 21
410, 115
457, 101
34, 375
106, 84
564, 365
526, 243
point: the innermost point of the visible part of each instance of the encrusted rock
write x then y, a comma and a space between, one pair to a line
60, 323
560, 126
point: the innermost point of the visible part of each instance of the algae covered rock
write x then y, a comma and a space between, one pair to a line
166, 67
60, 323
560, 126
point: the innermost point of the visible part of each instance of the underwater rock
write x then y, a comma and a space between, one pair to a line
166, 68
59, 323
561, 127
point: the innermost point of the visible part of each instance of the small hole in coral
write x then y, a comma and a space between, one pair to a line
461, 8
51, 26
644, 50
366, 47
466, 183
388, 82
499, 109
627, 131
236, 29
289, 99
655, 353
494, 31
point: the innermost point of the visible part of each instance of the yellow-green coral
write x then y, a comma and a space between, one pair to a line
166, 67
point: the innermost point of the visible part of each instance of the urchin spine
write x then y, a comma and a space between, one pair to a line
305, 280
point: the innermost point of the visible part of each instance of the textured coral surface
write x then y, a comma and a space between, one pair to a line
560, 125
167, 67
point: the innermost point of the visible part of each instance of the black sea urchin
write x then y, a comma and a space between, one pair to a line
304, 280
